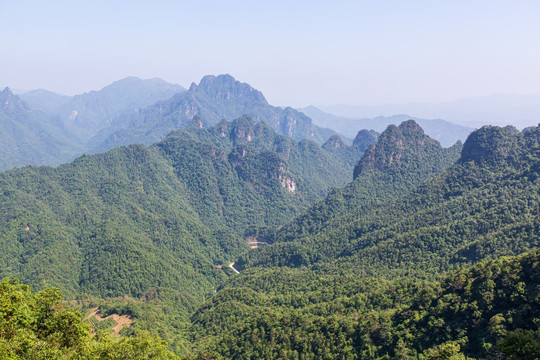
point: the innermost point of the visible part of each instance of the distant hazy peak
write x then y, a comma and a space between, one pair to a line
135, 81
11, 104
364, 138
6, 92
226, 87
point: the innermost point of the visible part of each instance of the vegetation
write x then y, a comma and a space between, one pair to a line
40, 326
290, 313
137, 218
485, 206
426, 254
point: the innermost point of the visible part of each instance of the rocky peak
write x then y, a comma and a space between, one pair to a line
242, 128
395, 143
225, 88
11, 104
334, 142
364, 138
196, 122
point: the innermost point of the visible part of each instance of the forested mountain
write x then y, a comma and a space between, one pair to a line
298, 314
30, 136
213, 99
405, 261
402, 158
485, 206
445, 132
138, 217
343, 281
131, 111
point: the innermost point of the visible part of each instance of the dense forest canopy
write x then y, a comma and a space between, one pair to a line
394, 250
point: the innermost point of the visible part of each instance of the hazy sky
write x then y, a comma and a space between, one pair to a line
296, 52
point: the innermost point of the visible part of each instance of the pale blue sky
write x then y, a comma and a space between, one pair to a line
297, 53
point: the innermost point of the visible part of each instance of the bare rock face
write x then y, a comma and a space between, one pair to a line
286, 180
196, 122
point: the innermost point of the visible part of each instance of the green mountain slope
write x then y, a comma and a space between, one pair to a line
402, 159
140, 217
298, 314
483, 207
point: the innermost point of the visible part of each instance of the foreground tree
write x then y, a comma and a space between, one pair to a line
39, 326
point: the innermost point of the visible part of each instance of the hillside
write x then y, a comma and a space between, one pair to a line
138, 217
484, 206
481, 312
402, 158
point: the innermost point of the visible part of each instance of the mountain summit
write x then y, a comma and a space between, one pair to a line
226, 88
396, 143
11, 105
213, 99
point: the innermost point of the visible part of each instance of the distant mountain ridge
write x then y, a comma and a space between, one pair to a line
44, 100
213, 99
497, 109
95, 110
445, 132
133, 110
31, 137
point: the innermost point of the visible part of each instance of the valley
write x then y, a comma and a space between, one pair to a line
207, 224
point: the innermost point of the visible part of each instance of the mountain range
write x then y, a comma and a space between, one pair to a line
31, 137
445, 132
182, 205
261, 236
213, 99
137, 111
497, 109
